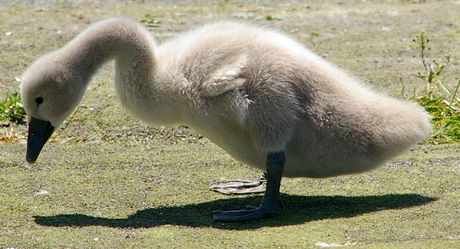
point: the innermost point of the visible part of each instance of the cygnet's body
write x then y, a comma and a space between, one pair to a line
258, 94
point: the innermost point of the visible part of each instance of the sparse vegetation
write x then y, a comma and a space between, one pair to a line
11, 108
440, 100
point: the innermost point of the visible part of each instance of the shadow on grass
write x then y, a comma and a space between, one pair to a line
299, 209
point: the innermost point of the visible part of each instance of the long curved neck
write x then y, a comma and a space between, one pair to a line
115, 39
133, 50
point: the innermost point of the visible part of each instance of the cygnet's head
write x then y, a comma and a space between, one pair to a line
51, 90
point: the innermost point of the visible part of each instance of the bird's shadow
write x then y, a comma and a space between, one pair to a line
298, 210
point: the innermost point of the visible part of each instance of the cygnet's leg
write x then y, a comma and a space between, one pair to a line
270, 201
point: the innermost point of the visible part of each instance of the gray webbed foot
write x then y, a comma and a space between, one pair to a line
242, 215
270, 201
241, 186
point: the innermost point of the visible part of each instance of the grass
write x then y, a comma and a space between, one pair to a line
109, 181
163, 201
11, 111
438, 98
11, 108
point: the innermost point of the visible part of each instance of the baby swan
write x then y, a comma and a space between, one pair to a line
258, 94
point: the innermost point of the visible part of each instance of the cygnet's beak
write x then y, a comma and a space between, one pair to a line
39, 132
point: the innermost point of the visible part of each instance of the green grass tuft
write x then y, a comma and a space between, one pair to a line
11, 108
438, 98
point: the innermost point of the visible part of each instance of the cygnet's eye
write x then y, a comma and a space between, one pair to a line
39, 100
